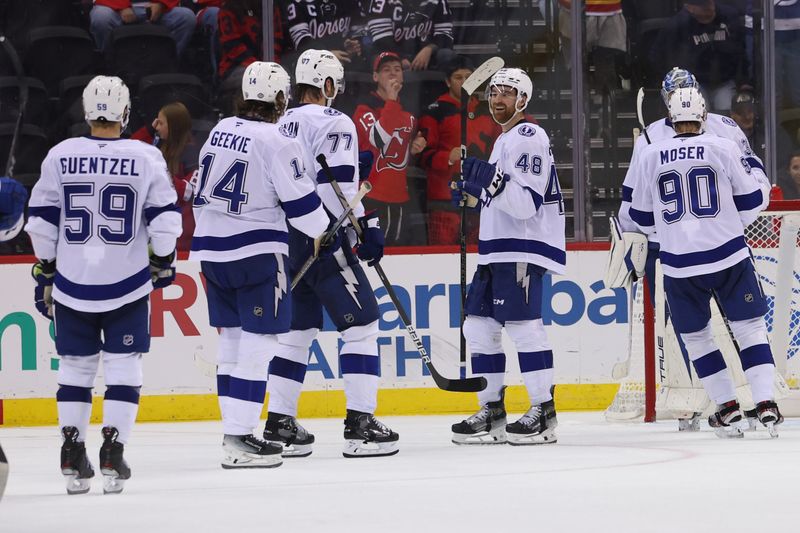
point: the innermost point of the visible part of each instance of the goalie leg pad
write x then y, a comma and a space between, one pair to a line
627, 256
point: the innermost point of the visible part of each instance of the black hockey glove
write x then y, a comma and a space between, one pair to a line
162, 270
43, 273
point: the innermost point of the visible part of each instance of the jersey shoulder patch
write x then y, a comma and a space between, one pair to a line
332, 112
288, 129
730, 122
526, 130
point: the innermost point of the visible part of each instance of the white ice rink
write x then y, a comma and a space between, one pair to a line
600, 477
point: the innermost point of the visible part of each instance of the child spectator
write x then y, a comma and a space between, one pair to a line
789, 178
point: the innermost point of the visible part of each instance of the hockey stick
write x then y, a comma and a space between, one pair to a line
327, 236
478, 77
473, 384
640, 115
23, 102
3, 472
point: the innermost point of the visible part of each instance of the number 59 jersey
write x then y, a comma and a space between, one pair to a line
251, 179
94, 209
698, 192
525, 223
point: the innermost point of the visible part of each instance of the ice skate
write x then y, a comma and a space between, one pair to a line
112, 465
728, 421
691, 423
769, 415
487, 426
752, 419
366, 436
248, 451
537, 426
284, 430
75, 464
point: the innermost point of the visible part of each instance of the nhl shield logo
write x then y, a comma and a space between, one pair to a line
748, 297
349, 318
258, 311
127, 340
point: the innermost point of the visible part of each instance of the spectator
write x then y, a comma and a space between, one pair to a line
743, 112
420, 31
109, 14
324, 25
708, 40
171, 132
606, 37
789, 178
441, 127
239, 26
207, 17
388, 131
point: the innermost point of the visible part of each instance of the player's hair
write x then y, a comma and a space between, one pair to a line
267, 111
302, 89
179, 123
102, 123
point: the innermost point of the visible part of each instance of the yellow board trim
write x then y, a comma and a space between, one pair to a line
316, 404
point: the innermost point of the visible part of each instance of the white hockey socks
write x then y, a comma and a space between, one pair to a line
710, 365
74, 397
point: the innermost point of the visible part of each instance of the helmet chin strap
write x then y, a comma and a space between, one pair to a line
517, 110
329, 99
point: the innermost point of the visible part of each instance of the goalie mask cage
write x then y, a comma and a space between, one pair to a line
658, 383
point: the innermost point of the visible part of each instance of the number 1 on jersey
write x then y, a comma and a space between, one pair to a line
229, 188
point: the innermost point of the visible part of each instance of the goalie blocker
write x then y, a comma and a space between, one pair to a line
627, 256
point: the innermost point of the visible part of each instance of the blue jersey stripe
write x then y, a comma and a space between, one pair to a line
110, 291
234, 242
524, 246
50, 214
643, 218
746, 202
627, 193
152, 212
704, 257
302, 206
755, 163
341, 173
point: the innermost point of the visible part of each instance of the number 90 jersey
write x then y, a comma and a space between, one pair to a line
698, 192
95, 207
251, 179
524, 223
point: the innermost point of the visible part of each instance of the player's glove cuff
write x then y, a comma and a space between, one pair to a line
485, 175
162, 270
44, 272
370, 249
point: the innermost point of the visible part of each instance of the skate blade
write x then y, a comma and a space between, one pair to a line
76, 485
689, 424
293, 450
752, 424
773, 431
546, 437
112, 484
355, 449
494, 436
247, 460
729, 432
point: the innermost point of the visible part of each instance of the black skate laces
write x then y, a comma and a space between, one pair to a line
377, 423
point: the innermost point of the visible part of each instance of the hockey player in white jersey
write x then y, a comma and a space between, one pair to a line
521, 238
101, 206
659, 130
698, 193
251, 180
337, 283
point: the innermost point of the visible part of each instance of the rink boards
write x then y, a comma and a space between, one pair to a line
586, 324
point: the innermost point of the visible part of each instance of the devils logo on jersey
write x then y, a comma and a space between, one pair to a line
394, 153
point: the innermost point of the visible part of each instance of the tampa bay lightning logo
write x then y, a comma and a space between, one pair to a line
332, 112
526, 130
730, 122
794, 314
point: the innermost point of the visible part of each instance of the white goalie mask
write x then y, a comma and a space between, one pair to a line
316, 66
264, 80
687, 105
516, 78
107, 98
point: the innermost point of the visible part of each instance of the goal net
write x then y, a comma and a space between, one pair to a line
656, 381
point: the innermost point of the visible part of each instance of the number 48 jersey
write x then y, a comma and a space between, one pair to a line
698, 193
252, 178
525, 223
95, 208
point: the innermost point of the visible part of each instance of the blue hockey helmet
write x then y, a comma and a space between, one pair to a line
677, 78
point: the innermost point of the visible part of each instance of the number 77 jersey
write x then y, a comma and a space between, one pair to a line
699, 194
524, 223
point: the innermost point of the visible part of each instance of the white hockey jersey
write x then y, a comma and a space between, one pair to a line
324, 130
525, 222
252, 178
659, 130
699, 195
94, 209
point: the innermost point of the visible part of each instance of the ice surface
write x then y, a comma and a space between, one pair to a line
600, 477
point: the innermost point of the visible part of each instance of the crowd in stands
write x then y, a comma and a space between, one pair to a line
405, 61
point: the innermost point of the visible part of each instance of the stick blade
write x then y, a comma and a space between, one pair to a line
474, 384
482, 74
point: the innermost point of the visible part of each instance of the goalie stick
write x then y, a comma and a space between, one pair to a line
23, 102
640, 115
3, 472
328, 235
478, 77
473, 384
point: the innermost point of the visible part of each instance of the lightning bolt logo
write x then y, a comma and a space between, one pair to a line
524, 279
351, 284
280, 287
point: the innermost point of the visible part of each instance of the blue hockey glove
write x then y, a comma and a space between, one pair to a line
372, 239
43, 272
487, 176
329, 248
465, 193
162, 270
365, 159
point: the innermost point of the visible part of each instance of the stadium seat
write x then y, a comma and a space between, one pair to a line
159, 89
70, 104
57, 52
30, 150
30, 14
138, 50
36, 108
200, 131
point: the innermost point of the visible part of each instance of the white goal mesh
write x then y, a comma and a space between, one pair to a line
773, 238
